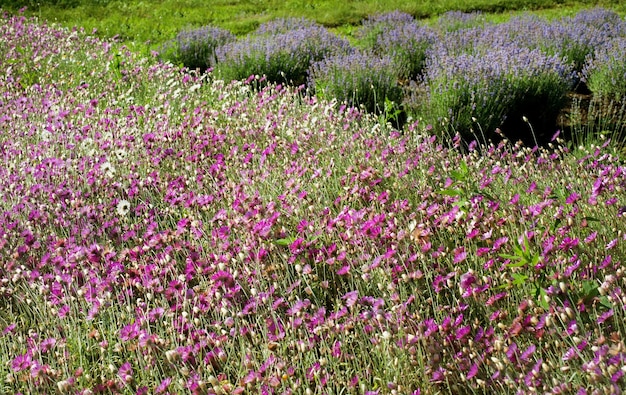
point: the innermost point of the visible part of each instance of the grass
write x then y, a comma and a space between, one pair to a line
164, 231
155, 22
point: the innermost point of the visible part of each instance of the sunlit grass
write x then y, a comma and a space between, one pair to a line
155, 22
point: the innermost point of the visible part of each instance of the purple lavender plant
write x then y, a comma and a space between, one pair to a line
401, 38
195, 48
358, 79
605, 72
373, 24
279, 54
284, 25
457, 20
494, 89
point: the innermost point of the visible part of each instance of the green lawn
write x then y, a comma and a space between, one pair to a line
156, 21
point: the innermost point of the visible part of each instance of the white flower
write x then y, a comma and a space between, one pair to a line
123, 207
120, 154
46, 135
108, 169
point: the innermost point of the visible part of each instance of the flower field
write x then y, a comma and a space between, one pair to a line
163, 231
459, 73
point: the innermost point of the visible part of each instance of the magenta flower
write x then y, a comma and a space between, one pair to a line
605, 316
336, 352
459, 255
125, 372
529, 351
351, 298
22, 362
572, 198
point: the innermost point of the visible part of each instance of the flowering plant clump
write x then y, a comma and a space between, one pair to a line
163, 231
577, 38
358, 79
284, 25
283, 52
195, 48
406, 42
573, 38
605, 72
456, 20
496, 89
374, 26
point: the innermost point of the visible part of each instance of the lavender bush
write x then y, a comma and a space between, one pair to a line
578, 38
472, 93
456, 20
284, 25
605, 72
398, 36
376, 25
573, 38
195, 48
282, 53
358, 79
168, 232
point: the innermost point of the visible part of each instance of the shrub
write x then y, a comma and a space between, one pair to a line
284, 56
284, 25
406, 43
574, 38
496, 89
456, 20
376, 25
358, 78
195, 48
587, 31
605, 72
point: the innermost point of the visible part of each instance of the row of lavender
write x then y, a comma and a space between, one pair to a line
164, 232
469, 71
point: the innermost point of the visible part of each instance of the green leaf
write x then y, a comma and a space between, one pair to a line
519, 279
540, 294
285, 242
461, 174
590, 289
451, 192
604, 302
521, 263
511, 257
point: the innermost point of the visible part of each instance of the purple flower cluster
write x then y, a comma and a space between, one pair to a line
472, 91
284, 25
605, 72
574, 38
358, 79
195, 48
399, 36
282, 53
456, 20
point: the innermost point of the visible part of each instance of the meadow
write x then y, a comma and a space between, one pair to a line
156, 21
166, 230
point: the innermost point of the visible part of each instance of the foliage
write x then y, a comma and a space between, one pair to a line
357, 79
195, 48
164, 231
156, 22
507, 83
399, 36
605, 72
282, 54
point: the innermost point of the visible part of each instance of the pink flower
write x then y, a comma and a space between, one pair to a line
459, 255
125, 372
22, 362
